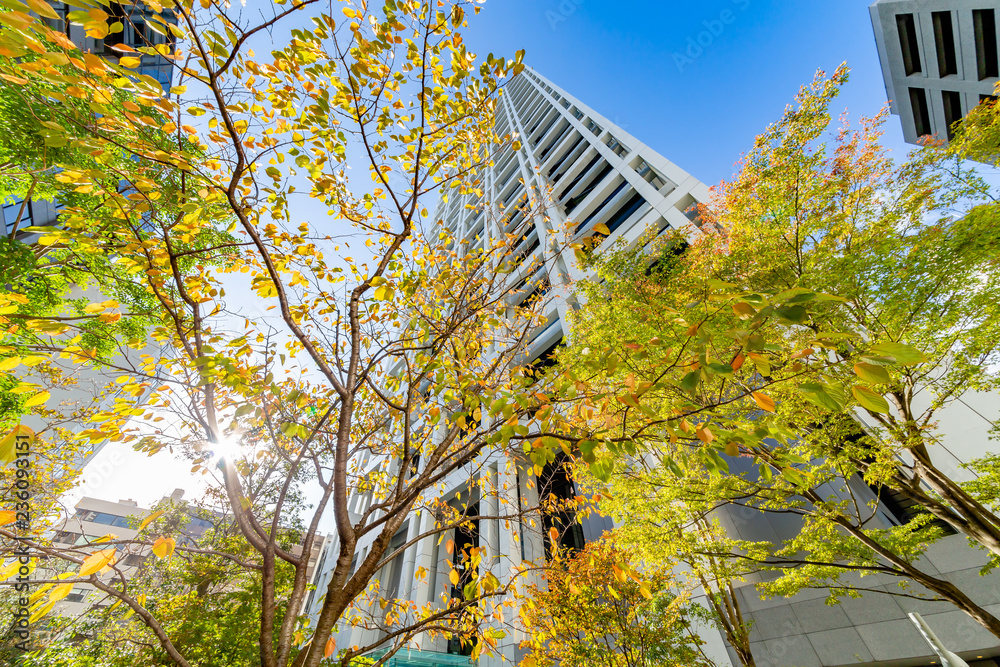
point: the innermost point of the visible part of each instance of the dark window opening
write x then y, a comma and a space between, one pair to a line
600, 207
952, 110
575, 201
907, 28
579, 177
985, 26
564, 158
555, 491
625, 212
921, 114
545, 360
395, 567
944, 39
466, 539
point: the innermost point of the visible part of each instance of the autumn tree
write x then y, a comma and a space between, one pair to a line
823, 289
600, 606
367, 351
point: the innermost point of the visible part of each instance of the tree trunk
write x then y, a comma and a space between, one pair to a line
945, 589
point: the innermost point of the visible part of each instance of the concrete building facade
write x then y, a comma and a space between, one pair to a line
939, 60
574, 169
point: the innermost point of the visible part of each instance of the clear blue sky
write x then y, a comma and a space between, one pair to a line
617, 56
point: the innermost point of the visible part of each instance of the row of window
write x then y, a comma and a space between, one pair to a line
985, 29
952, 102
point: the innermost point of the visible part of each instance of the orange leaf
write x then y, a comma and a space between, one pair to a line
330, 646
97, 562
6, 517
764, 402
738, 362
164, 547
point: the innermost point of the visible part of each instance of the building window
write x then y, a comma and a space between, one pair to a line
78, 595
907, 28
944, 39
952, 109
985, 24
11, 219
921, 114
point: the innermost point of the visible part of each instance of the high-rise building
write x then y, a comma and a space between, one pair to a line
939, 60
587, 171
573, 164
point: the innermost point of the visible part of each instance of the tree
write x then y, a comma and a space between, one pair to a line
379, 373
205, 599
596, 608
823, 283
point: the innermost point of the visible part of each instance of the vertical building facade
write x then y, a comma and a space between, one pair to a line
939, 60
572, 169
586, 171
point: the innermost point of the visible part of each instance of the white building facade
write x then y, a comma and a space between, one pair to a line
574, 168
939, 60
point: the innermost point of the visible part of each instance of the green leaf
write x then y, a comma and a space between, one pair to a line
869, 400
905, 355
690, 381
824, 396
872, 373
793, 314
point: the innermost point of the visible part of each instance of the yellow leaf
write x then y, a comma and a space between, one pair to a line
150, 519
37, 399
97, 562
453, 577
41, 611
602, 228
350, 13
764, 402
60, 591
8, 446
43, 8
645, 592
164, 547
10, 363
8, 571
129, 61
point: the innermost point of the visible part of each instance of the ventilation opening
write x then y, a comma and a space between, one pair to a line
921, 115
907, 28
985, 23
944, 39
952, 110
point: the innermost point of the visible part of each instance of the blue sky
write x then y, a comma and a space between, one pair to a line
618, 56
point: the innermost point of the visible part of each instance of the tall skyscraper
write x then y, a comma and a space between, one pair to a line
576, 169
572, 164
939, 60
